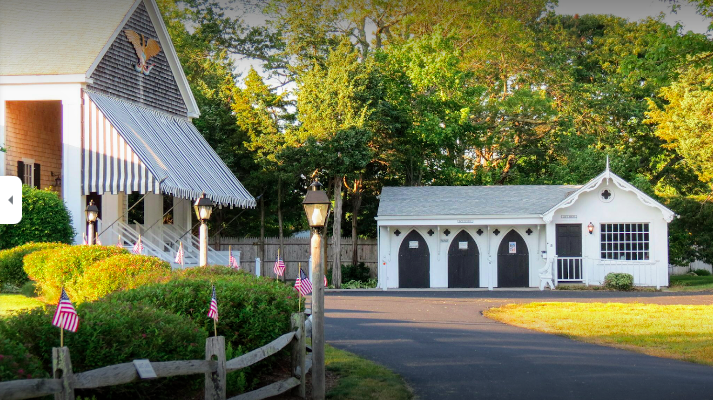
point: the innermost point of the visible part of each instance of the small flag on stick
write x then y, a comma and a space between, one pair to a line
138, 247
213, 310
84, 239
303, 284
325, 280
119, 244
179, 255
232, 262
65, 316
279, 267
97, 241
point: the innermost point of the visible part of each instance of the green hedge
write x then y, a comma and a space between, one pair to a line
120, 272
113, 333
253, 311
619, 281
11, 270
54, 268
17, 363
45, 218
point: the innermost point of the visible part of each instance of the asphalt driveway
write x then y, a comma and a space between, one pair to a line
442, 345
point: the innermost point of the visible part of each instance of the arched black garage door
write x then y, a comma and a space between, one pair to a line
414, 262
513, 261
463, 262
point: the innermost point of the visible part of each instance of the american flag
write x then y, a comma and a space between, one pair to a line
138, 247
119, 244
325, 281
98, 242
65, 316
302, 284
84, 239
213, 311
232, 262
179, 254
279, 267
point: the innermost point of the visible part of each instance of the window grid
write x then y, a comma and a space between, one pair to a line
625, 242
28, 175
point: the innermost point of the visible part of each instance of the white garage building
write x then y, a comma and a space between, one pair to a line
521, 235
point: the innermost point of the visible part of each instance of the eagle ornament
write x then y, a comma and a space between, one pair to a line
145, 49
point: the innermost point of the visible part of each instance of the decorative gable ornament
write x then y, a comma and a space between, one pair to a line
145, 49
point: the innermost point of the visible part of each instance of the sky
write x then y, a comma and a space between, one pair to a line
633, 10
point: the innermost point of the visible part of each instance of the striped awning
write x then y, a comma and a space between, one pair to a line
129, 148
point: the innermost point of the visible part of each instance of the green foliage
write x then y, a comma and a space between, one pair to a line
45, 218
120, 272
11, 271
253, 311
17, 363
359, 272
702, 272
54, 268
112, 333
368, 284
618, 281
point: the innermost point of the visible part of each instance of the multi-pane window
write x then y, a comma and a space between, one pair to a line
28, 178
625, 241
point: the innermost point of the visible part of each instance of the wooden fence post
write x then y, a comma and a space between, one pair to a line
215, 385
62, 369
299, 349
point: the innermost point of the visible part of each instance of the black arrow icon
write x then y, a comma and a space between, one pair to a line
10, 200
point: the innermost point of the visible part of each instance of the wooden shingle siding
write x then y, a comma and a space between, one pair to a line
115, 74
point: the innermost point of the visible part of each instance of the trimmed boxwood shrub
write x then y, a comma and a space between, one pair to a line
120, 272
45, 218
113, 333
702, 272
11, 270
619, 281
54, 268
17, 363
253, 311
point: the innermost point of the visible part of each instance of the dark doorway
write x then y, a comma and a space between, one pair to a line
569, 251
463, 262
513, 261
414, 262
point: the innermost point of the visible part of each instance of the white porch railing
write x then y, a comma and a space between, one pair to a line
569, 269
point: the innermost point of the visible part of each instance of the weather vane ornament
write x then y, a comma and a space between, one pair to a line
145, 49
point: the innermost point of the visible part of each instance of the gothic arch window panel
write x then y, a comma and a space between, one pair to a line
414, 262
513, 261
463, 262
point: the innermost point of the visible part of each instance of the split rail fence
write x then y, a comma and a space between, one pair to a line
215, 368
294, 251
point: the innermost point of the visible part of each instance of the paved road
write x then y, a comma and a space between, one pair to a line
445, 349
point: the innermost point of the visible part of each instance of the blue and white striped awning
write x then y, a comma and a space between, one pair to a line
130, 148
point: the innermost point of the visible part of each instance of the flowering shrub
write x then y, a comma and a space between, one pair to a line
619, 281
120, 272
54, 268
11, 271
17, 363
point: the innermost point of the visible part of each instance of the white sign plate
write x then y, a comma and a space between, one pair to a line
465, 221
568, 216
463, 245
513, 247
144, 369
413, 244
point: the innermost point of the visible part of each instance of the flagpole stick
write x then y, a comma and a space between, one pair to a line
215, 328
183, 256
61, 333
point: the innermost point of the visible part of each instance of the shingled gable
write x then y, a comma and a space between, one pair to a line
165, 87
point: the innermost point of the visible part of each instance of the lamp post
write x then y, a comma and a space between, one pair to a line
317, 204
203, 207
92, 213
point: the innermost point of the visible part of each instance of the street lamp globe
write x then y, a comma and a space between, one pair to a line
203, 207
92, 212
317, 205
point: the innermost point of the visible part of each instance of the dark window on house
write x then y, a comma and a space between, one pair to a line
135, 215
167, 209
625, 242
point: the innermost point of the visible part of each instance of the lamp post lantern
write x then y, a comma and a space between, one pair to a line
92, 213
317, 204
203, 208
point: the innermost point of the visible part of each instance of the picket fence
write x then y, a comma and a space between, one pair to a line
294, 251
214, 367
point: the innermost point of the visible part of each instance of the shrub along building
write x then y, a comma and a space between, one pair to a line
94, 104
521, 236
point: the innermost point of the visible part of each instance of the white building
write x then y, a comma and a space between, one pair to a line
95, 105
521, 236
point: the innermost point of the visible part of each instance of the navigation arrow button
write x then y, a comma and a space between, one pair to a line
10, 200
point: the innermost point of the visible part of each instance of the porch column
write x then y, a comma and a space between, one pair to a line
72, 163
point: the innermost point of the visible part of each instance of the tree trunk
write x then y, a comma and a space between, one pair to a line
337, 234
261, 250
279, 222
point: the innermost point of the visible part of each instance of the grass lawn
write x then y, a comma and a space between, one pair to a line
362, 379
10, 303
681, 332
686, 283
